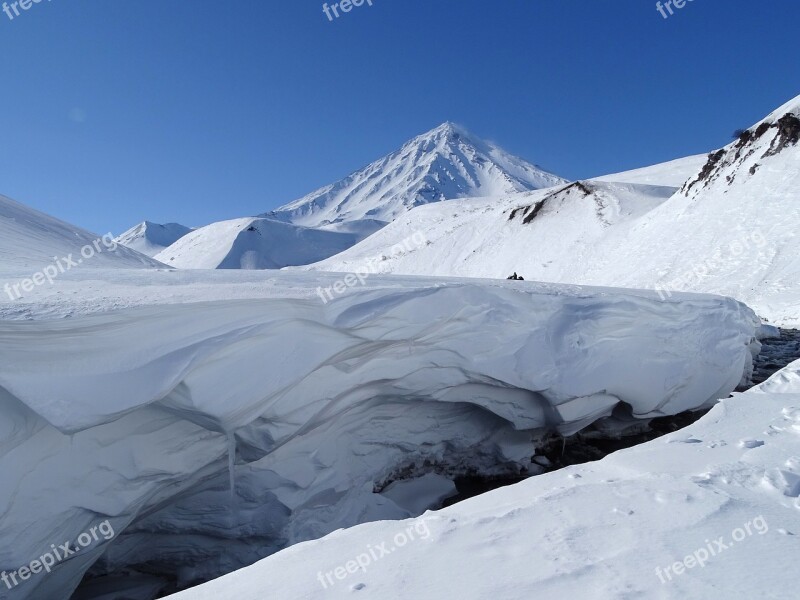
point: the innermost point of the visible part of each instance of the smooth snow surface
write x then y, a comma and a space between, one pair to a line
731, 229
151, 238
147, 416
603, 530
671, 174
445, 163
32, 240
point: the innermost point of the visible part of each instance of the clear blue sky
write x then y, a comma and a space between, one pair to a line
117, 111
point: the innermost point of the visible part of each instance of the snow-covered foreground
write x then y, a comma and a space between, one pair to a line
712, 511
319, 415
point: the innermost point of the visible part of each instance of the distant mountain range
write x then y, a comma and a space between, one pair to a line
443, 164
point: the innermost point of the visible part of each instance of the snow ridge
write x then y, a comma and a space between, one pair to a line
151, 238
30, 239
254, 243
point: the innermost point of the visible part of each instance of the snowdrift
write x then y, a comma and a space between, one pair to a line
212, 434
721, 500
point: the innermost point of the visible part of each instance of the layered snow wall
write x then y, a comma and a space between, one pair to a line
210, 435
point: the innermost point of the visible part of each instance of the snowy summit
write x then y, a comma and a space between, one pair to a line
445, 163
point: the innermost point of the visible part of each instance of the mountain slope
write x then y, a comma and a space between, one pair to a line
673, 173
731, 229
442, 164
254, 243
547, 235
151, 238
31, 240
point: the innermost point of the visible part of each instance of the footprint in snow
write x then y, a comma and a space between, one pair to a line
689, 440
785, 482
750, 444
793, 414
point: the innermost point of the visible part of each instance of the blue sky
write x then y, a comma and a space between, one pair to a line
118, 111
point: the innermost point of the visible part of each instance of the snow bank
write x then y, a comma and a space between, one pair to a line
712, 511
147, 417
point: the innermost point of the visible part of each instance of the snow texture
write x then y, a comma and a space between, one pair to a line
609, 529
308, 411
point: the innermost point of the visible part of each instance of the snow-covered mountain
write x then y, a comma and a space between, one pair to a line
254, 243
445, 163
731, 229
151, 238
31, 240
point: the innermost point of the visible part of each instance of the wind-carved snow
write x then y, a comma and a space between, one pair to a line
725, 491
328, 405
442, 164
